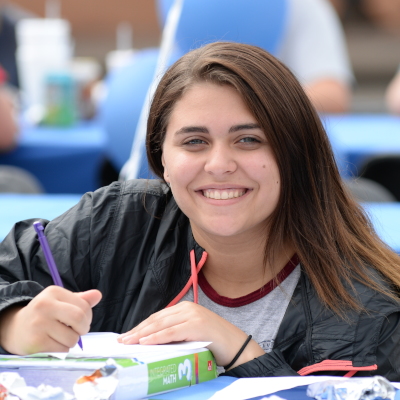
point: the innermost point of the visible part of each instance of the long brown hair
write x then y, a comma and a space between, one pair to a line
332, 236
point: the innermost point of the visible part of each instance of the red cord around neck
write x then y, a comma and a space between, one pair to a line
193, 279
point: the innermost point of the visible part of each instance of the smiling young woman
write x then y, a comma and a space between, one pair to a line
220, 167
248, 240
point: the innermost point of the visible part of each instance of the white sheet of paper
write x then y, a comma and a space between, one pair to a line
104, 345
246, 388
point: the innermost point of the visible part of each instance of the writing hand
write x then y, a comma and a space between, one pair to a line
51, 322
187, 321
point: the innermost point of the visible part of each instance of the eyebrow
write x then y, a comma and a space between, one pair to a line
203, 129
243, 127
191, 129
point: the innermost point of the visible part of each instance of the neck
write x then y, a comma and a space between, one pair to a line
236, 265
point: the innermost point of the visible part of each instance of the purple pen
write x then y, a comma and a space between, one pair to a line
50, 259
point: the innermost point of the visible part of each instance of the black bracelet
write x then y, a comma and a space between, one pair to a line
238, 353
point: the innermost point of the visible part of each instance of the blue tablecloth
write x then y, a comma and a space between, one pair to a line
386, 220
65, 160
355, 138
14, 208
205, 390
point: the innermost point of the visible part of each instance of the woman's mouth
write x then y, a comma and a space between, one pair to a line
223, 194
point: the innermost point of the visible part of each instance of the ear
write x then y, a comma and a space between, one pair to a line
166, 175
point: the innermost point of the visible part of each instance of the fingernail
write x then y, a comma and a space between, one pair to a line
126, 339
143, 339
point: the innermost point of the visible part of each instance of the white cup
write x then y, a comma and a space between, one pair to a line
44, 46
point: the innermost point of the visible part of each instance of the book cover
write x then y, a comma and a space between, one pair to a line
141, 371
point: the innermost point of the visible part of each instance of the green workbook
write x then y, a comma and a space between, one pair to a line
138, 371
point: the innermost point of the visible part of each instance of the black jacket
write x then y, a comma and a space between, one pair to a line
131, 241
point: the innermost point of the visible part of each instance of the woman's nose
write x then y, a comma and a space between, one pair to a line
220, 161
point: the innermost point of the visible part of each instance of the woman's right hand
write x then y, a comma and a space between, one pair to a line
53, 321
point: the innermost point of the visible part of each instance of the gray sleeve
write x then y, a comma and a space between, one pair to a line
314, 45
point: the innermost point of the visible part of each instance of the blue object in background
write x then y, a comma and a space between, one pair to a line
385, 218
257, 22
120, 110
356, 138
17, 207
64, 160
202, 391
296, 393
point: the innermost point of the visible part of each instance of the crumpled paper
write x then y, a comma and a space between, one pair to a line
13, 387
98, 386
42, 392
374, 388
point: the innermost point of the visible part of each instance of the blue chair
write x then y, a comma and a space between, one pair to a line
120, 110
258, 22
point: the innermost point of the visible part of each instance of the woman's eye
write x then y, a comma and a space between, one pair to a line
194, 142
249, 140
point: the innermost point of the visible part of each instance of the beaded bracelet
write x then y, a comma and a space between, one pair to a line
238, 353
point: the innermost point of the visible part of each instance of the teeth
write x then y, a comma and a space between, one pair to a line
223, 194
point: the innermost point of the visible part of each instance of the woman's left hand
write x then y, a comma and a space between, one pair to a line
188, 321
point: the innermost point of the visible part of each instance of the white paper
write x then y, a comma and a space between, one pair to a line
247, 388
396, 384
105, 345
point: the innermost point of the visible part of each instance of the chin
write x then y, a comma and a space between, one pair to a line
223, 229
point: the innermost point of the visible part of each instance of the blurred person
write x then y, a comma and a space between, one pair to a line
12, 179
393, 94
8, 126
314, 48
312, 45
